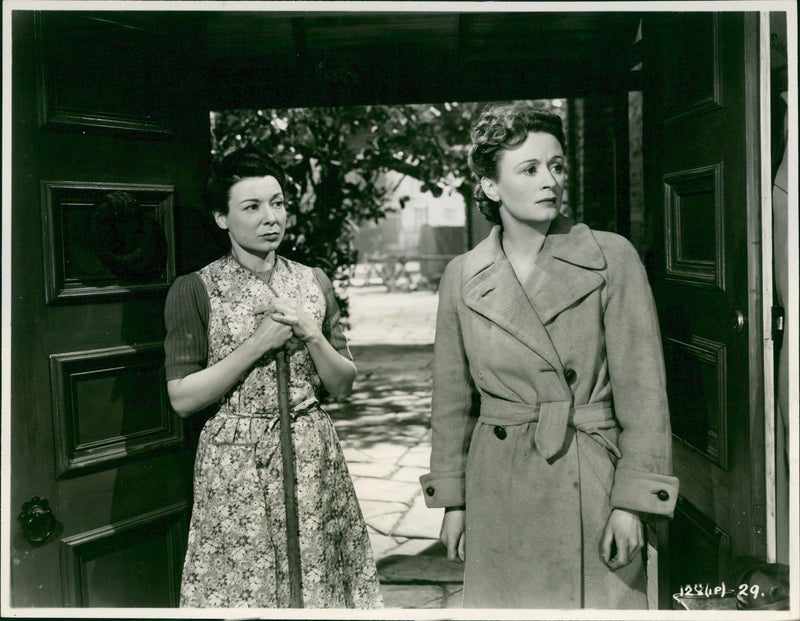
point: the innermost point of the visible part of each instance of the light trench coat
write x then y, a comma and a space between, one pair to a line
549, 410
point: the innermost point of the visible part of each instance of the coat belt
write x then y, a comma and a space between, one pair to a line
552, 418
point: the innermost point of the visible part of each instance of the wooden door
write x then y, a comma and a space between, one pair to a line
96, 110
702, 162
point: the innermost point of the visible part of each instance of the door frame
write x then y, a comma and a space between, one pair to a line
756, 281
790, 333
768, 351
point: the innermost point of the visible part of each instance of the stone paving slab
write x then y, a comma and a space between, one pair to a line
376, 508
411, 432
354, 455
369, 469
373, 417
378, 316
454, 596
414, 596
381, 489
413, 547
410, 474
385, 523
419, 456
419, 521
385, 452
420, 568
382, 545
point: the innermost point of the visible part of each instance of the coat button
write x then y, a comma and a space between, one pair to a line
662, 494
570, 375
430, 491
500, 432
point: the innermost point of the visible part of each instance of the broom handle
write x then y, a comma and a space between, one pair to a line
289, 486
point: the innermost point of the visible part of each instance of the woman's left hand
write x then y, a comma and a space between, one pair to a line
622, 538
336, 371
288, 312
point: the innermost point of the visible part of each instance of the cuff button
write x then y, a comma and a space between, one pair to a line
662, 494
430, 491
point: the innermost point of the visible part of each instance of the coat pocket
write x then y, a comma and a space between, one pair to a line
609, 440
597, 460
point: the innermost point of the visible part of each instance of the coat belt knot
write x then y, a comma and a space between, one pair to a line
552, 418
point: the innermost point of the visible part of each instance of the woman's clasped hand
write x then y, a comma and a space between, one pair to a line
290, 314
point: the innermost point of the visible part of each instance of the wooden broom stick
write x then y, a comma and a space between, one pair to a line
289, 484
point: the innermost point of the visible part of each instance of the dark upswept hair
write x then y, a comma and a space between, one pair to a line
500, 127
246, 162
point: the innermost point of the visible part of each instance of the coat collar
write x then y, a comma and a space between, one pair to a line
566, 240
567, 269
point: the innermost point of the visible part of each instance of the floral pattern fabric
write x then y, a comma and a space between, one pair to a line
236, 554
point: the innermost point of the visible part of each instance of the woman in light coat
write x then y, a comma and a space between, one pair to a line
551, 434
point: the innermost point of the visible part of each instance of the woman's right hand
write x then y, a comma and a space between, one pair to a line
453, 534
202, 388
270, 334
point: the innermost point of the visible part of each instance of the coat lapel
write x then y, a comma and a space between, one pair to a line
567, 269
492, 290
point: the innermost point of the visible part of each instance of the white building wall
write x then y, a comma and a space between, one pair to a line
399, 232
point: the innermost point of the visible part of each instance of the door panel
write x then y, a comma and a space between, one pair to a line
78, 241
135, 562
109, 406
695, 239
97, 111
697, 106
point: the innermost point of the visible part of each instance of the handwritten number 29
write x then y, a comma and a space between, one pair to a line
745, 590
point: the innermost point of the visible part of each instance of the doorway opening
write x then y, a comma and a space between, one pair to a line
382, 200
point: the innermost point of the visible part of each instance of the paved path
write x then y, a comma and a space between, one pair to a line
384, 430
378, 317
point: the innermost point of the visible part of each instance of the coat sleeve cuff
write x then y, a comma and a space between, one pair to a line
443, 489
646, 492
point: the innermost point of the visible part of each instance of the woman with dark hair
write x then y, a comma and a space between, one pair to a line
225, 324
551, 436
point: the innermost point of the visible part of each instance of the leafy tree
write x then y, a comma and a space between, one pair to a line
336, 157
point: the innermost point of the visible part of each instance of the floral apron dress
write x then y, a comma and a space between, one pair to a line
236, 554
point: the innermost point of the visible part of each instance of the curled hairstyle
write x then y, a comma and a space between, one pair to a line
240, 164
500, 127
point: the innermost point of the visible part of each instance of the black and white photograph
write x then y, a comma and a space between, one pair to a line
400, 310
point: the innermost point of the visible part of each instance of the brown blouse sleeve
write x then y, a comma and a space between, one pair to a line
186, 316
331, 324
